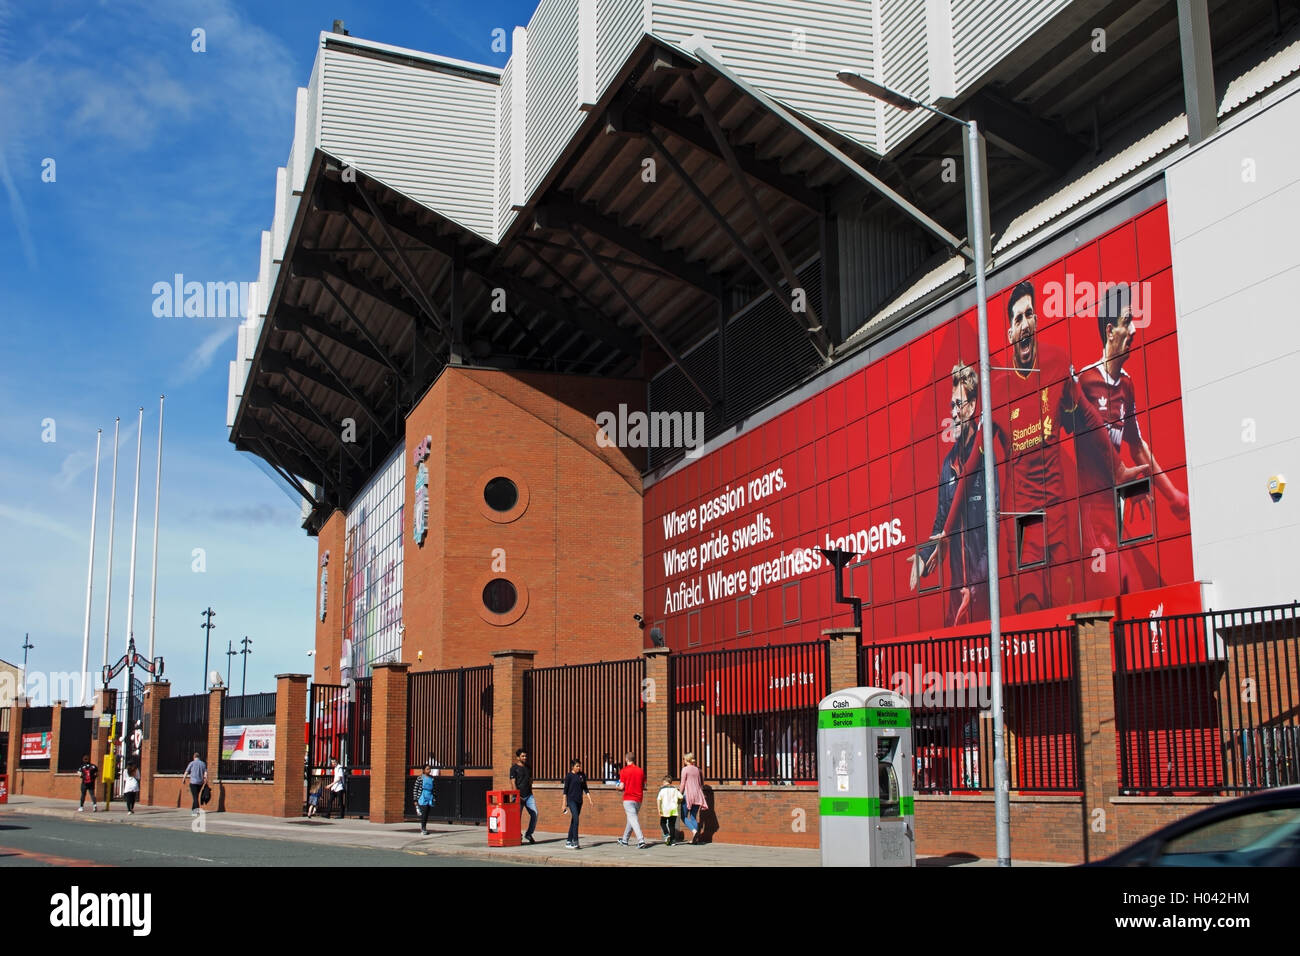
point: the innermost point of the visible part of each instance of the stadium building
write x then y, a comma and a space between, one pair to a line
639, 323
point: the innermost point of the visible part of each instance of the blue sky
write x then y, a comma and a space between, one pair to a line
164, 163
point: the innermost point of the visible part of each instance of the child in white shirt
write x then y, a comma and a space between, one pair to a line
669, 799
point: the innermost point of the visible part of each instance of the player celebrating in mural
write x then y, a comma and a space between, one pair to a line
1109, 390
968, 566
1044, 400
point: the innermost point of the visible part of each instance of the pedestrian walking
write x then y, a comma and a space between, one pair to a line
313, 799
522, 778
89, 774
575, 785
131, 786
197, 774
425, 800
693, 794
338, 792
631, 780
669, 800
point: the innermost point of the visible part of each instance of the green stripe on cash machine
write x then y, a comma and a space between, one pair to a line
862, 806
864, 717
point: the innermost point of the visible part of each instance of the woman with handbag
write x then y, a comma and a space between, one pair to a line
693, 794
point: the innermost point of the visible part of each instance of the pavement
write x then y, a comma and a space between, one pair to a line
446, 839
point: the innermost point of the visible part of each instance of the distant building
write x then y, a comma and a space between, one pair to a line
10, 678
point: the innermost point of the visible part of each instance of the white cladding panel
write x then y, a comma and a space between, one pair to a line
904, 65
1236, 281
985, 31
300, 154
279, 224
234, 391
552, 61
505, 215
790, 50
428, 133
620, 24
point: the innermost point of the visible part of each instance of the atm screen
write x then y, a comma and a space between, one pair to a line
890, 800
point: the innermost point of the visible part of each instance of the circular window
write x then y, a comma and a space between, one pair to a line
499, 596
501, 494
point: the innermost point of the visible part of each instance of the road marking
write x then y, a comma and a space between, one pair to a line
48, 858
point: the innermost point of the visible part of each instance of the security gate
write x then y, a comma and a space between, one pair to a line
449, 724
338, 728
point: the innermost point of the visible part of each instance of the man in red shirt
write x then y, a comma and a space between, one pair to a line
631, 780
1044, 400
1107, 387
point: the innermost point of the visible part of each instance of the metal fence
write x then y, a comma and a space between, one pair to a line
449, 723
947, 681
338, 728
591, 712
36, 720
75, 730
1208, 703
243, 723
4, 739
749, 715
182, 732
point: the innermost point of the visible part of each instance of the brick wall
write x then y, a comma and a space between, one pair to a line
573, 546
329, 632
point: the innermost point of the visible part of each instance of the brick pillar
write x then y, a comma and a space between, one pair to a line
290, 762
216, 697
1099, 768
507, 711
844, 643
657, 759
151, 703
388, 742
56, 730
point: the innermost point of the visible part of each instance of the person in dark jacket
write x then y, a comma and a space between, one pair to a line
575, 785
88, 774
968, 564
522, 777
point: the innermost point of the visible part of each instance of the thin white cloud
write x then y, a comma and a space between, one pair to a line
72, 468
17, 210
198, 360
34, 519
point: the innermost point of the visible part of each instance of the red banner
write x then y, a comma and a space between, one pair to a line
36, 746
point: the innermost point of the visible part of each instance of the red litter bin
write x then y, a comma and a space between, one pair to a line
4, 789
503, 818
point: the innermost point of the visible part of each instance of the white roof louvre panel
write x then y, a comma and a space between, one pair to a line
430, 133
279, 224
302, 144
985, 31
620, 24
234, 392
790, 50
505, 127
904, 56
553, 113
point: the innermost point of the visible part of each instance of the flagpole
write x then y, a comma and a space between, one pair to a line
112, 514
90, 577
135, 516
157, 495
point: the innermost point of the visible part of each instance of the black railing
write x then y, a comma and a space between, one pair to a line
251, 711
450, 719
749, 715
182, 732
450, 725
36, 720
947, 682
592, 712
1209, 703
75, 730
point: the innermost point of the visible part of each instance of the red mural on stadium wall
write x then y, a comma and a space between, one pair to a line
887, 463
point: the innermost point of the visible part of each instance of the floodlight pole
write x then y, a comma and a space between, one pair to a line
976, 183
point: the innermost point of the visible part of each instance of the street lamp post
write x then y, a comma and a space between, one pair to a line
207, 627
975, 188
